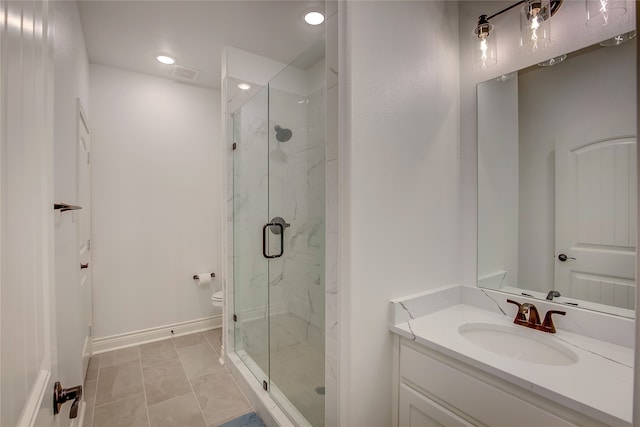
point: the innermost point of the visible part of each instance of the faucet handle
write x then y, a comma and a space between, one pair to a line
514, 302
521, 316
548, 325
553, 294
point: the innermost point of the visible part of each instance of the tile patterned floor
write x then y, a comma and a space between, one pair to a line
176, 382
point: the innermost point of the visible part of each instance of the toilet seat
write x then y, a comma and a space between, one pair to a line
217, 299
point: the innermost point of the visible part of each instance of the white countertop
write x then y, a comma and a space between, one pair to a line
599, 385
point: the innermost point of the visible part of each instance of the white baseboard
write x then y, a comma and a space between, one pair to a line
130, 339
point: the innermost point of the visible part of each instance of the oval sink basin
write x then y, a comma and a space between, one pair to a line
518, 342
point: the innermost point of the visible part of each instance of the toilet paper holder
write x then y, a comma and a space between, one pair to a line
195, 276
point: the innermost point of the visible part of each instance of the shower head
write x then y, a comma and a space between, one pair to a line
283, 135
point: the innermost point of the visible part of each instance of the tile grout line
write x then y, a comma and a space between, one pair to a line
95, 397
144, 388
170, 399
117, 401
206, 423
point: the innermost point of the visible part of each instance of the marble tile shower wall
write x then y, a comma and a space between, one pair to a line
297, 191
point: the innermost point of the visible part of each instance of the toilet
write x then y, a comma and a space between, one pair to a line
217, 299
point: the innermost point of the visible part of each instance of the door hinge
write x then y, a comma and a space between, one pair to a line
265, 386
235, 318
234, 146
90, 330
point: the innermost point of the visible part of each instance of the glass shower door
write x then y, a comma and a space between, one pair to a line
250, 213
297, 201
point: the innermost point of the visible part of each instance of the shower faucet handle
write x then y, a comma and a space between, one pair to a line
278, 225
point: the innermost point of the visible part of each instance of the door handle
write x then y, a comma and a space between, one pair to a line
563, 257
83, 266
280, 228
61, 395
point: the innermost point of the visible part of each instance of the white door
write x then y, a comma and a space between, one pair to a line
29, 356
73, 268
84, 235
27, 305
596, 211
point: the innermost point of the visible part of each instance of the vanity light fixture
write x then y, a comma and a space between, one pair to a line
314, 18
167, 60
535, 30
485, 52
603, 12
535, 25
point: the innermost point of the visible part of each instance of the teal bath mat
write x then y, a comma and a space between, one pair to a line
247, 420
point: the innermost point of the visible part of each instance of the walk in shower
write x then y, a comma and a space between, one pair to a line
279, 236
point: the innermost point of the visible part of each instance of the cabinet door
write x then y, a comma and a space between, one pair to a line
416, 410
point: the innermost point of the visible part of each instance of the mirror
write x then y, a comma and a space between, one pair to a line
557, 180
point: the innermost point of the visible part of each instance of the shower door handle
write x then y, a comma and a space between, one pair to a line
264, 239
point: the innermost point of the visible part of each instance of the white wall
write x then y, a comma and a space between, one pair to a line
157, 182
71, 81
568, 34
399, 170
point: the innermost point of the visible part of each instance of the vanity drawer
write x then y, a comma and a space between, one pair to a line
416, 410
471, 398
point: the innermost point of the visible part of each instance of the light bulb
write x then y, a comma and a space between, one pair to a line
314, 18
534, 32
483, 49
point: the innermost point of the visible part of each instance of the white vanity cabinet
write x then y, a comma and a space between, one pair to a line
431, 389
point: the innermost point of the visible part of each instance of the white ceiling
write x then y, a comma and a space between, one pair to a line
129, 34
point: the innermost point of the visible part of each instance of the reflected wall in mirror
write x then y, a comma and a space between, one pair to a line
557, 180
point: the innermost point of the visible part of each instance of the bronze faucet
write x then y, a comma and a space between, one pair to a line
528, 316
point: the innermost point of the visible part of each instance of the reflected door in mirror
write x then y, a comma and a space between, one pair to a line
596, 197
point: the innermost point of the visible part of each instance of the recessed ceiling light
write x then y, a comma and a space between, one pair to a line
166, 59
314, 18
244, 86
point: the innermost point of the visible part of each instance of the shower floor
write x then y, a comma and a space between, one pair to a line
297, 361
